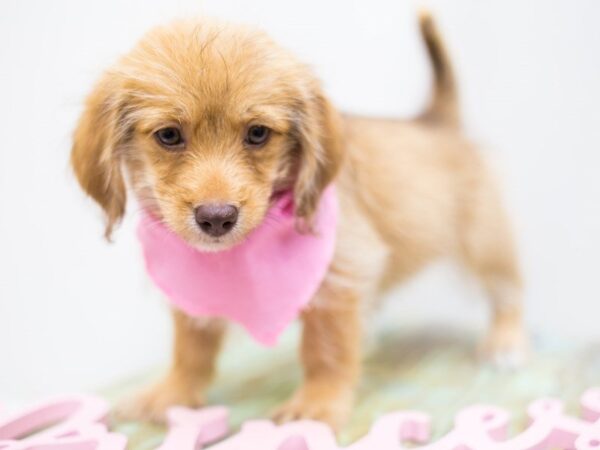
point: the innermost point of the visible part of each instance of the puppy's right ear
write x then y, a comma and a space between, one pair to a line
95, 154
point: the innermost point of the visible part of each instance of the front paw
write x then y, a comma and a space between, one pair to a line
151, 404
506, 347
329, 405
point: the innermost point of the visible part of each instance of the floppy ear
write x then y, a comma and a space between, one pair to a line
94, 156
320, 154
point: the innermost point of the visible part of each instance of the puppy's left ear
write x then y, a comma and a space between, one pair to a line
321, 150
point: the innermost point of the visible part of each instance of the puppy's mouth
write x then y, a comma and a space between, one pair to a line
213, 245
207, 243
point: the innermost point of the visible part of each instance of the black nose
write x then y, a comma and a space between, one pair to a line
216, 219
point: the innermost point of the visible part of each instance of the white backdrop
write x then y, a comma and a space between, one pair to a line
77, 313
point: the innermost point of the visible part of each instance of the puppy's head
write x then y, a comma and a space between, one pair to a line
209, 122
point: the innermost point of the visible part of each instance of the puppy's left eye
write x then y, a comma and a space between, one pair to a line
257, 135
169, 137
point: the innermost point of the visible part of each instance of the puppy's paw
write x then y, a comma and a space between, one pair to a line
506, 347
329, 406
151, 404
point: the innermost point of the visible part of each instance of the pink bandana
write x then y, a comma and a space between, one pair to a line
262, 283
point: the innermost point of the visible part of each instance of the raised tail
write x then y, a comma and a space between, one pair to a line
444, 105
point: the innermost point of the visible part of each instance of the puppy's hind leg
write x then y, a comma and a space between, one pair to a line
489, 252
195, 351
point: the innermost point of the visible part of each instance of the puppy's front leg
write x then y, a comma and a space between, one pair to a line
331, 357
194, 354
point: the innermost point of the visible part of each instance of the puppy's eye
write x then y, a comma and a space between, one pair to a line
169, 137
257, 135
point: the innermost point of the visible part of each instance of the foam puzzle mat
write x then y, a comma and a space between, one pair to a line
428, 369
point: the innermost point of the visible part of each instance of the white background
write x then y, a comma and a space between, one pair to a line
77, 313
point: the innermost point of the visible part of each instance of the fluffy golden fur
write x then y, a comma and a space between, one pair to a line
409, 191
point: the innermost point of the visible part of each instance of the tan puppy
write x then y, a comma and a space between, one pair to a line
206, 112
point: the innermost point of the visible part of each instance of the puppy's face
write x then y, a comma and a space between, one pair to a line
211, 122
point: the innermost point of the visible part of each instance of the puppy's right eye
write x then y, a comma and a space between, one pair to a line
169, 137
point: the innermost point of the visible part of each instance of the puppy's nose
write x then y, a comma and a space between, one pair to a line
216, 219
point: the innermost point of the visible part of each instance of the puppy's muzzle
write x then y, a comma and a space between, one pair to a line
216, 219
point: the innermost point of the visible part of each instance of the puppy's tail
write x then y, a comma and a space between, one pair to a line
444, 106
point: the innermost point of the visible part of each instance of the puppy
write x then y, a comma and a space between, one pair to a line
201, 112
